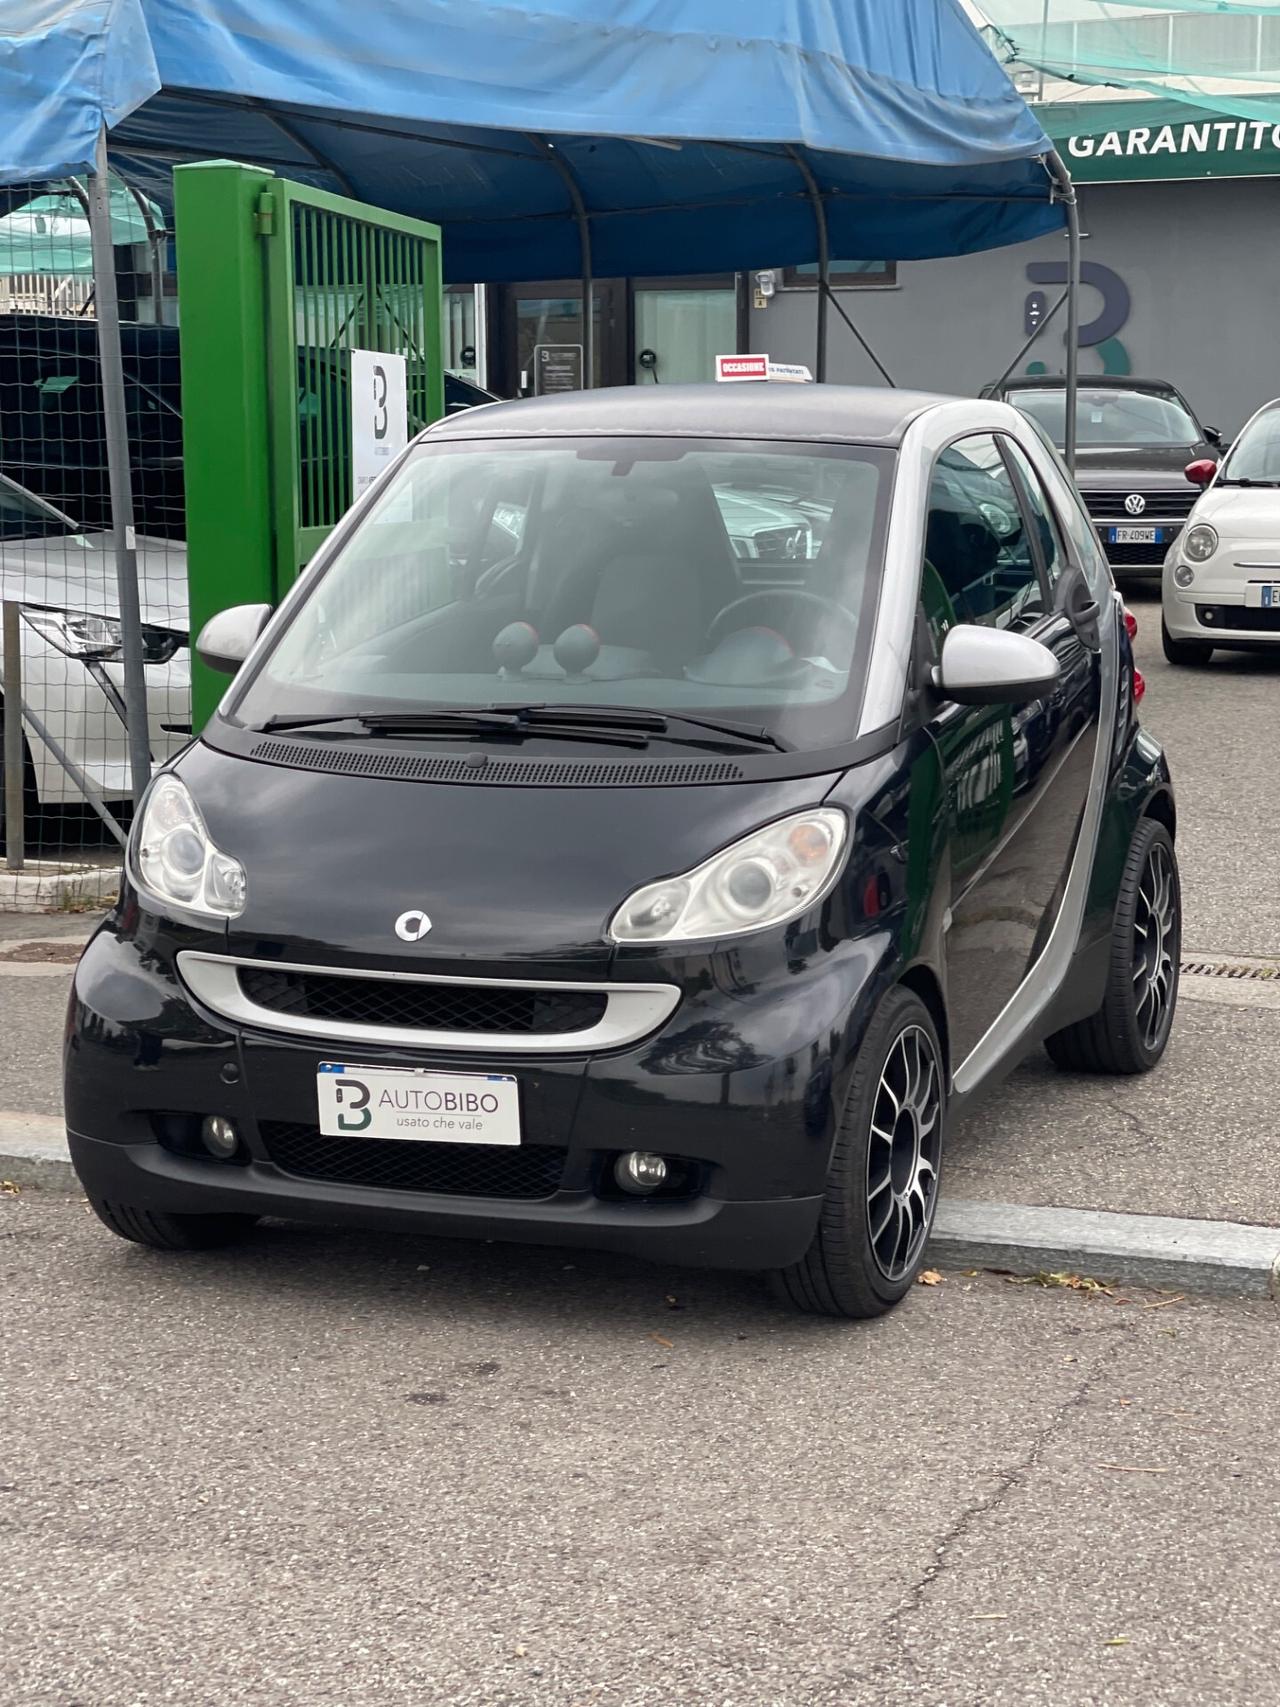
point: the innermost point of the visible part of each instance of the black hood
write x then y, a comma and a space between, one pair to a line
505, 874
1139, 467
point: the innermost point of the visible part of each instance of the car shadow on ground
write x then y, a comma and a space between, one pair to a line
396, 1281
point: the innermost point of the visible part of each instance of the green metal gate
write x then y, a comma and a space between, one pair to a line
278, 284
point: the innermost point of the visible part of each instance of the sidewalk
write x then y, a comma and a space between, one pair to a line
1179, 1162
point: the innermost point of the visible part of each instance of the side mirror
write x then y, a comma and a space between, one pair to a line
994, 666
1201, 471
227, 639
1213, 435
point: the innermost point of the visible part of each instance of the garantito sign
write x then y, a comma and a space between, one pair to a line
1145, 140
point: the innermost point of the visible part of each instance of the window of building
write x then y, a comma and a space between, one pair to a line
845, 275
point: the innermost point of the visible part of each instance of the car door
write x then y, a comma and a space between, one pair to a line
1016, 776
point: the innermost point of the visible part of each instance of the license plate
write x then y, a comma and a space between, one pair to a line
405, 1102
1263, 595
1135, 536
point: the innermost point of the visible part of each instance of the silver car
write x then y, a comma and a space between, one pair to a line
64, 580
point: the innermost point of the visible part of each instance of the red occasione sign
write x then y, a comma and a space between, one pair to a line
742, 367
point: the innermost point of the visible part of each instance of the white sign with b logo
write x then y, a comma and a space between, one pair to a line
379, 414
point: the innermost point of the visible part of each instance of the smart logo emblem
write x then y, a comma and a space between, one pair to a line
413, 925
1135, 504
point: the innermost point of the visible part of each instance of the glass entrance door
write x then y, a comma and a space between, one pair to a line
543, 337
680, 330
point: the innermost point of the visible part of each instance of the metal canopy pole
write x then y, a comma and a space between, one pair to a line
583, 219
116, 424
824, 260
1065, 192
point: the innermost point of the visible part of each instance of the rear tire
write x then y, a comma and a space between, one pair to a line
1129, 1032
161, 1231
1184, 651
882, 1184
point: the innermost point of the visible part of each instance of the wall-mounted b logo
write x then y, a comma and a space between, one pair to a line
1097, 334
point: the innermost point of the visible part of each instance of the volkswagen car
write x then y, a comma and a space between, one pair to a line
1134, 437
589, 888
1221, 583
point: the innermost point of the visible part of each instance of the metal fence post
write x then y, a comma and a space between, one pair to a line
116, 424
15, 830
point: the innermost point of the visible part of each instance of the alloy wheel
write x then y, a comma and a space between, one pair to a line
1155, 945
904, 1153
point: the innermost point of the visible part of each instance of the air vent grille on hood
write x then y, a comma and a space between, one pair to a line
481, 768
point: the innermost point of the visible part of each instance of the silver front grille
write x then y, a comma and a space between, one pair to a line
420, 1010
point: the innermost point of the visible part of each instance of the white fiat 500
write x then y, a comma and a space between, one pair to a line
1222, 575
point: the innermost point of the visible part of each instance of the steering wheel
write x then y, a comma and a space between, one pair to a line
772, 606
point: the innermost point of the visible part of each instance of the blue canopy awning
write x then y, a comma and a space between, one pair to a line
693, 138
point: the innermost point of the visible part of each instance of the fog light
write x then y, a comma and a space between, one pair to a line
1184, 574
220, 1137
639, 1171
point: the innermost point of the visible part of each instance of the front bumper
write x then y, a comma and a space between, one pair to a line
742, 1091
1213, 610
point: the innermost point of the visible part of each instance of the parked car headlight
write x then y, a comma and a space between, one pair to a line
175, 858
79, 635
1200, 542
764, 879
1184, 575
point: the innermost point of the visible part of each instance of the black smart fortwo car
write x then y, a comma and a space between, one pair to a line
553, 872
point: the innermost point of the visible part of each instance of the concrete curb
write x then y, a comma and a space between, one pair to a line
1136, 1250
33, 1151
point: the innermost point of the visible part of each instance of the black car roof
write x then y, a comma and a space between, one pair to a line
756, 409
1090, 382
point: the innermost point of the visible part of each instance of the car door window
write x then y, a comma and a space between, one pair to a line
979, 562
1053, 555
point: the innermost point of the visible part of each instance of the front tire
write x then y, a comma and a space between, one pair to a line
1184, 651
882, 1185
160, 1231
1129, 1032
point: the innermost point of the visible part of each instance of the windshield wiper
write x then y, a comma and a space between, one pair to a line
367, 720
1245, 480
615, 725
448, 721
569, 715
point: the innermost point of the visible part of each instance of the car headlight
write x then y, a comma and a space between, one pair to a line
1184, 575
175, 859
79, 635
1200, 542
764, 879
76, 634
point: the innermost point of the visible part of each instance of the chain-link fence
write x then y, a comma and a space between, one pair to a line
68, 781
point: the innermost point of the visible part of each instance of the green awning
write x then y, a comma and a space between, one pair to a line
50, 233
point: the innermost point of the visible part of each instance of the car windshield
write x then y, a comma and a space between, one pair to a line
1112, 418
1256, 453
24, 516
724, 577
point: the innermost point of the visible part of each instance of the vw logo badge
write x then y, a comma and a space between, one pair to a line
413, 925
1135, 503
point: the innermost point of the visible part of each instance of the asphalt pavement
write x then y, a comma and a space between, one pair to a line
337, 1468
